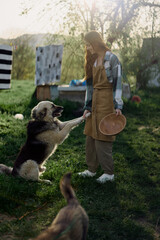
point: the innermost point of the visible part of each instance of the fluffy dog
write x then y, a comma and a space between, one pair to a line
71, 223
44, 133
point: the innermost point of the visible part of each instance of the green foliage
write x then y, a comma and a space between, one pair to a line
73, 56
19, 98
126, 209
23, 60
73, 59
72, 62
130, 55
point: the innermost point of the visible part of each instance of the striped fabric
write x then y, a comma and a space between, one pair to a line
5, 66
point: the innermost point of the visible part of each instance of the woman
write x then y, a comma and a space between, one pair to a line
103, 96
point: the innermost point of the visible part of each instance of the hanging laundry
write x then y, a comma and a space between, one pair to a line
5, 66
48, 64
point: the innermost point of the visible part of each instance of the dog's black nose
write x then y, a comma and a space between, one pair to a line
60, 107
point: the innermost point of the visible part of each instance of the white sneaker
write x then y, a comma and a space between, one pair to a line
105, 177
87, 173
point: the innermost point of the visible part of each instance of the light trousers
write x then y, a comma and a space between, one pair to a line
99, 153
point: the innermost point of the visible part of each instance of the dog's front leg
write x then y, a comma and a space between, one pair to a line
63, 124
68, 127
73, 121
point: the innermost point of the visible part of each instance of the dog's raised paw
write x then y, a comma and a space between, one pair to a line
87, 115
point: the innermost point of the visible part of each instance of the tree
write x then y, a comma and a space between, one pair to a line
23, 60
113, 18
119, 21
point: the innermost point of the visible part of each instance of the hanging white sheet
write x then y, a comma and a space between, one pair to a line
48, 64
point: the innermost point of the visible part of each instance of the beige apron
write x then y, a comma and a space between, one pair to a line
102, 104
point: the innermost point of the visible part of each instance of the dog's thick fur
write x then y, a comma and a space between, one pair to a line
71, 223
44, 133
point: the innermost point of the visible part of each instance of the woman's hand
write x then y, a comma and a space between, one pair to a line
118, 112
86, 112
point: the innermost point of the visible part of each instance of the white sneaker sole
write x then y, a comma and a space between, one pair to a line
86, 174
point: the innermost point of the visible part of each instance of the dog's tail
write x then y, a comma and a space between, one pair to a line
6, 170
66, 188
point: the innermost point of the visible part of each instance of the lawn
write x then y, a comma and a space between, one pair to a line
126, 209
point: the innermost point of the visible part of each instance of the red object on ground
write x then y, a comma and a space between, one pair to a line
136, 98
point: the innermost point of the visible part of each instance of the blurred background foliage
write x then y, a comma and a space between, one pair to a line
124, 24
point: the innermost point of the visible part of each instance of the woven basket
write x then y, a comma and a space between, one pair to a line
112, 124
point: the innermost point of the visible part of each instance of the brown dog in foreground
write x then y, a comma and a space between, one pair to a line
71, 223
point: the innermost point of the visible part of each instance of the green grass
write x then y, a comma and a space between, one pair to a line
126, 209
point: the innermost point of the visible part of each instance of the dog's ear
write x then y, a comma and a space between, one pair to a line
42, 114
34, 113
38, 115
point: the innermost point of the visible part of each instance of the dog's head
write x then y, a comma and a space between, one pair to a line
46, 111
